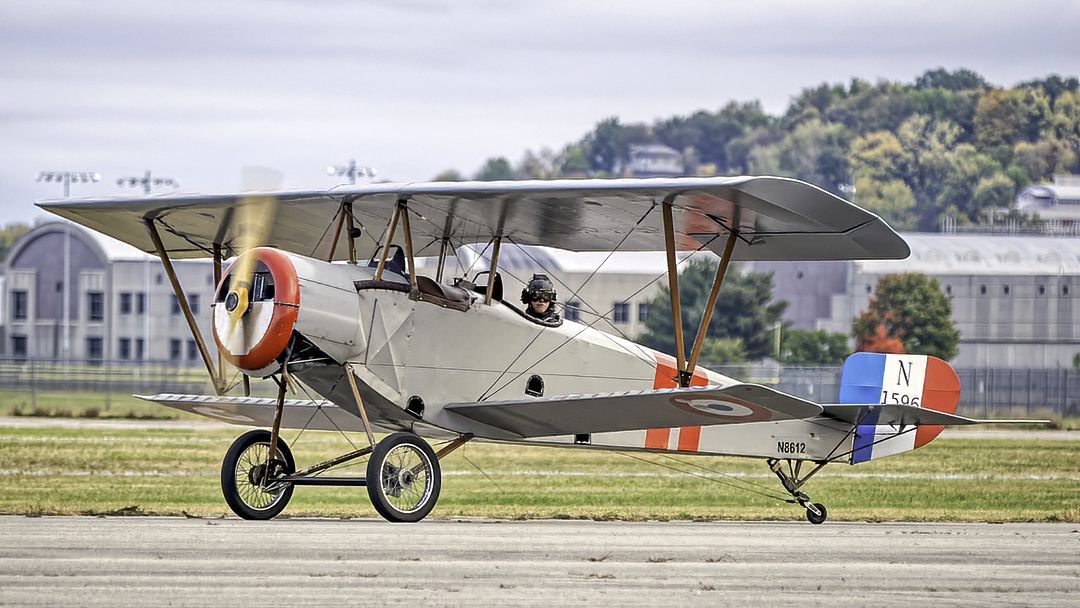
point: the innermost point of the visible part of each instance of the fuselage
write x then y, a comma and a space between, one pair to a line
415, 351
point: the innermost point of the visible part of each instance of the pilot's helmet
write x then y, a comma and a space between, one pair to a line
539, 287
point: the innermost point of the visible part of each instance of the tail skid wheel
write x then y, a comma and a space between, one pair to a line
403, 478
792, 481
244, 469
816, 513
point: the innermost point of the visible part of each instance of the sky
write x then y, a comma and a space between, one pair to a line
196, 90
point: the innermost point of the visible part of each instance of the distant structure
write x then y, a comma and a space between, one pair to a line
652, 160
1059, 200
70, 293
1014, 298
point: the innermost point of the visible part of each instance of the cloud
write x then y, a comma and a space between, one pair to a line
197, 89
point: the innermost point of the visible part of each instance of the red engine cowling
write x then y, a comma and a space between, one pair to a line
254, 341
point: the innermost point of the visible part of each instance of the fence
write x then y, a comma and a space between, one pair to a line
984, 392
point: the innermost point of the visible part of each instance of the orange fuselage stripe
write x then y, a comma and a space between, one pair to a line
689, 436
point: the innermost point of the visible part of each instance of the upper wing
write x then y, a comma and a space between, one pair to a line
664, 408
777, 218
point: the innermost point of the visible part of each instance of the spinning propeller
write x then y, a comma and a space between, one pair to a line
255, 213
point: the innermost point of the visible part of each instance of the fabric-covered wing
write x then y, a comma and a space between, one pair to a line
777, 218
891, 413
575, 414
259, 411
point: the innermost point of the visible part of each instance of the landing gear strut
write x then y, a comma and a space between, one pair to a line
790, 478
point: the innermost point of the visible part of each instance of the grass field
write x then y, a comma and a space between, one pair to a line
175, 471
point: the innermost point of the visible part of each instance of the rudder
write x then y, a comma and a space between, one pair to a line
912, 380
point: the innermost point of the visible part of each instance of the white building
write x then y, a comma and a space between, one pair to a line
74, 293
652, 160
1057, 201
1013, 297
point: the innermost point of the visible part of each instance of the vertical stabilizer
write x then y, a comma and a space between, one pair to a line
912, 380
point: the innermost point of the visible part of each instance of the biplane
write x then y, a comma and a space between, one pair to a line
324, 289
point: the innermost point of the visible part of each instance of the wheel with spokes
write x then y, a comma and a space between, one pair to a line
249, 491
403, 478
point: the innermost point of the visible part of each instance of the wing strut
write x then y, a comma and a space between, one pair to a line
181, 298
391, 228
703, 326
686, 369
673, 288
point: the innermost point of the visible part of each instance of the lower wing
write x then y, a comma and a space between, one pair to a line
634, 410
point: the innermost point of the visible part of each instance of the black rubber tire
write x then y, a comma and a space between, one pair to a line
377, 483
814, 518
229, 487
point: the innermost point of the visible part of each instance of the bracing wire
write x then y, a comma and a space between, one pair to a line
626, 236
589, 326
707, 478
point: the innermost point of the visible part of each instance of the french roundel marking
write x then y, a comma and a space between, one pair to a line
716, 407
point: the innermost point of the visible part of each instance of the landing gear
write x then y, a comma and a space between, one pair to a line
815, 511
403, 478
249, 480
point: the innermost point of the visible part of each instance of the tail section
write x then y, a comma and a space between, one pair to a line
910, 380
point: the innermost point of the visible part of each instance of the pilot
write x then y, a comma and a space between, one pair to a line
539, 298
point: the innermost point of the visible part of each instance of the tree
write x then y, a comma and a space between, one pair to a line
448, 175
495, 168
817, 152
910, 309
1005, 117
742, 311
956, 80
8, 235
805, 346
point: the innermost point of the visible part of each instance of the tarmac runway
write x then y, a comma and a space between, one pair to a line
151, 561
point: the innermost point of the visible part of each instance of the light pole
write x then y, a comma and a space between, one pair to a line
352, 171
67, 177
146, 181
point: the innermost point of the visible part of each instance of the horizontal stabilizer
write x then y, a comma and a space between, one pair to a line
255, 411
635, 410
904, 415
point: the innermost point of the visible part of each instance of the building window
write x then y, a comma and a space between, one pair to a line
192, 350
869, 289
123, 348
622, 312
175, 305
157, 278
95, 306
1064, 290
174, 350
140, 349
1042, 290
18, 346
140, 303
95, 349
1005, 289
572, 311
642, 311
125, 303
982, 290
20, 305
948, 290
193, 303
